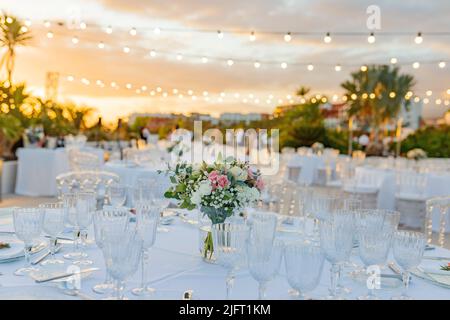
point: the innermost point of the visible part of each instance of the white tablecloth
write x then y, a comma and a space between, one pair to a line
37, 170
176, 266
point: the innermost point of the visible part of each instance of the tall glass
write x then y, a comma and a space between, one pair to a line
27, 227
117, 194
264, 264
336, 240
70, 206
147, 218
108, 221
263, 226
229, 246
54, 216
304, 264
408, 247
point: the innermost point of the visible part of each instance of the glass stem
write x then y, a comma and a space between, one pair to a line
27, 251
52, 247
334, 272
262, 290
143, 265
76, 241
229, 282
405, 277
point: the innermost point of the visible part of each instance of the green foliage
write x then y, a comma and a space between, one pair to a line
435, 141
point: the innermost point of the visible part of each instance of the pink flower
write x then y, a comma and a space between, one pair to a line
213, 175
222, 181
250, 173
260, 184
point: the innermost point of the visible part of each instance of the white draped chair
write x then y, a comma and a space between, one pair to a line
362, 184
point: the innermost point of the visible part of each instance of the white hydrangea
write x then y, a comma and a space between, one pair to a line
246, 195
204, 188
238, 173
196, 197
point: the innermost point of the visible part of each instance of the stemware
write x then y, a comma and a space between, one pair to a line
229, 246
408, 247
147, 218
264, 264
122, 251
304, 262
336, 240
117, 194
53, 225
27, 227
262, 227
107, 221
375, 229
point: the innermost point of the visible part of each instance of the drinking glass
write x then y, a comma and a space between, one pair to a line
336, 240
264, 264
53, 225
27, 227
322, 206
117, 194
122, 251
408, 247
262, 228
304, 264
147, 217
375, 229
107, 221
229, 246
70, 206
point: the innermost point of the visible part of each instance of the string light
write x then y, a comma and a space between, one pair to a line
438, 101
257, 64
416, 99
50, 35
429, 93
157, 31
416, 65
204, 59
47, 24
327, 38
283, 65
252, 36
392, 94
418, 39
426, 100
338, 68
310, 67
152, 53
70, 78
175, 91
442, 64
109, 30
164, 94
190, 92
287, 37
152, 93
353, 96
372, 96
179, 57
85, 81
230, 62
205, 93
101, 45
83, 25
393, 60
364, 96
371, 38
126, 50
158, 89
144, 88
24, 29
219, 34
128, 86
364, 68
28, 22
133, 32
446, 102
75, 40
448, 91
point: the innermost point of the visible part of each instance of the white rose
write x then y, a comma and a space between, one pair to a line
196, 198
238, 173
204, 188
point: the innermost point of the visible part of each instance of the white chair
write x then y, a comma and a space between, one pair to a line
410, 198
363, 185
442, 205
81, 161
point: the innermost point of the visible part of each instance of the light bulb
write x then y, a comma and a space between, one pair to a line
392, 94
83, 25
179, 57
101, 45
152, 93
230, 62
257, 64
205, 93
219, 34
416, 65
190, 92
133, 31
152, 53
426, 100
126, 50
75, 40
442, 64
50, 35
252, 36
23, 29
70, 78
310, 67
416, 99
429, 93
109, 30
371, 38
157, 30
327, 38
338, 68
287, 37
204, 59
47, 24
364, 68
393, 60
175, 91
128, 86
438, 101
28, 22
158, 89
283, 65
418, 39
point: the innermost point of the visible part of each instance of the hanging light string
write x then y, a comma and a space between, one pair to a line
230, 61
271, 99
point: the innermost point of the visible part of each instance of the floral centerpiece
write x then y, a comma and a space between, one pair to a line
317, 147
219, 190
416, 154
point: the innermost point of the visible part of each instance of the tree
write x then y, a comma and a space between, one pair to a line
303, 91
376, 96
13, 33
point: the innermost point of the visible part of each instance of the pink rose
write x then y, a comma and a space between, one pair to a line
213, 176
222, 181
260, 184
250, 173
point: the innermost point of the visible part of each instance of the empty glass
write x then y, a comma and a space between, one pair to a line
117, 194
27, 227
375, 229
304, 264
70, 206
230, 247
53, 225
264, 264
336, 240
147, 217
262, 228
108, 221
408, 247
122, 252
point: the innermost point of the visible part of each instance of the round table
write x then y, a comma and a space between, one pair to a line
176, 266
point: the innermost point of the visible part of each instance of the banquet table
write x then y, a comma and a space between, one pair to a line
176, 266
38, 167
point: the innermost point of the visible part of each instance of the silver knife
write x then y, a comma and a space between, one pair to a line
38, 260
66, 275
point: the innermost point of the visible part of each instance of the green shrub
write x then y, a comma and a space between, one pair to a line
435, 141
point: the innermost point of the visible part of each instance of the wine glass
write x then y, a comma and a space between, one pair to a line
117, 194
54, 216
262, 227
147, 217
106, 221
122, 251
336, 240
375, 229
27, 227
264, 264
229, 242
304, 264
408, 247
322, 206
70, 206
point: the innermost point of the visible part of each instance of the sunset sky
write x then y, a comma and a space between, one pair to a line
244, 87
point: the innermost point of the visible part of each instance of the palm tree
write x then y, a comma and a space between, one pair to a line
13, 33
303, 91
376, 96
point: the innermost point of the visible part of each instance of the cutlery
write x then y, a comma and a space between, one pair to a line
66, 275
436, 258
62, 238
38, 260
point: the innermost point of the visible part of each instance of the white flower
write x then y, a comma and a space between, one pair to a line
204, 188
196, 198
247, 195
238, 173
